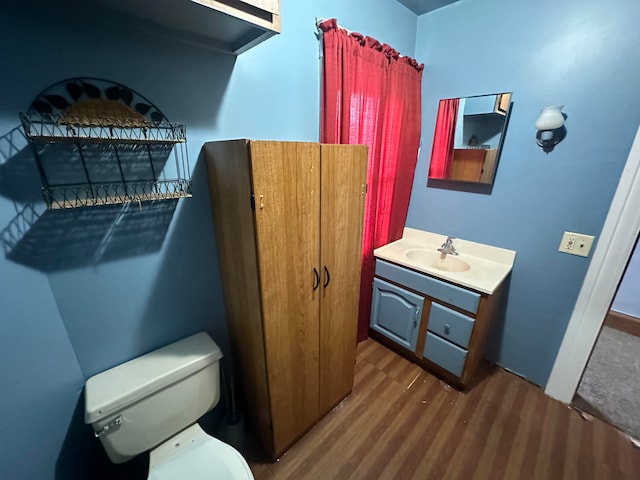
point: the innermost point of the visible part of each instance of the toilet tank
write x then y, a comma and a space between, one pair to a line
137, 405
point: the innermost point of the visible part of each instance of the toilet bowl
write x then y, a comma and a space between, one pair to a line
194, 455
153, 402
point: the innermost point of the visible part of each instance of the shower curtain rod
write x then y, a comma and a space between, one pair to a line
319, 20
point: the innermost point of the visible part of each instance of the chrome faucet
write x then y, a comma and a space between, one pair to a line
448, 248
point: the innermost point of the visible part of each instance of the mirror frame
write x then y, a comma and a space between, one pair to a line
475, 165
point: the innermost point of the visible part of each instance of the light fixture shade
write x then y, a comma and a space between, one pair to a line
550, 118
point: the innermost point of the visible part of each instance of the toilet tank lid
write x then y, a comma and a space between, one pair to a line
120, 386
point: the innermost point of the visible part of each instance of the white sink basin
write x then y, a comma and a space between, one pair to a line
437, 260
479, 267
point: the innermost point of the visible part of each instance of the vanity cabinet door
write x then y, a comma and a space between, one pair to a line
396, 313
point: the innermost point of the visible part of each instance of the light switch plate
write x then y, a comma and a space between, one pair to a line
576, 244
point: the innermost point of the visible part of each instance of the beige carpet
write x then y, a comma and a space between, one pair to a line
611, 381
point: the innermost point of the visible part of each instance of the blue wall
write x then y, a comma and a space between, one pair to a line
56, 333
119, 310
39, 373
585, 55
40, 376
274, 92
116, 311
111, 312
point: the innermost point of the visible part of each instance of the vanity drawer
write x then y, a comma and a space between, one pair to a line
460, 297
443, 353
454, 326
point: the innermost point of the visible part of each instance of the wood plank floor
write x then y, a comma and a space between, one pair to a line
400, 422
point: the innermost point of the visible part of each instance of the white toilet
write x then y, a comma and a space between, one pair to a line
153, 401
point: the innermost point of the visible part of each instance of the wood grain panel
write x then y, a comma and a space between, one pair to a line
623, 322
286, 185
467, 164
503, 429
489, 166
487, 311
249, 11
344, 176
230, 194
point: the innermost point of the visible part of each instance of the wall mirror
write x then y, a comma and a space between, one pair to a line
468, 137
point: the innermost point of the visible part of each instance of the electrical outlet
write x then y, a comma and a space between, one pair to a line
576, 244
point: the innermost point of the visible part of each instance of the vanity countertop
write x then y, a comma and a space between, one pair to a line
487, 266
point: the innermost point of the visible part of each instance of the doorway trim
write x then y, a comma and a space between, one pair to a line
610, 258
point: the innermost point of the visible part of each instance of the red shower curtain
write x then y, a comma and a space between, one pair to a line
371, 95
443, 138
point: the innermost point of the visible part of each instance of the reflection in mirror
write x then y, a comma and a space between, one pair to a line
468, 137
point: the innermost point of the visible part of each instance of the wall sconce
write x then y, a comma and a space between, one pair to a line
551, 129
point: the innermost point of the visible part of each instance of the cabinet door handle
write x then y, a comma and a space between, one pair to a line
327, 277
447, 329
316, 282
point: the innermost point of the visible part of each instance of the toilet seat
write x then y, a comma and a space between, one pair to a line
194, 455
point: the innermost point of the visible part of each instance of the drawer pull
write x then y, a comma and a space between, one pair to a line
447, 329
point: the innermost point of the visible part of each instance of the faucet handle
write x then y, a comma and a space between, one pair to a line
447, 247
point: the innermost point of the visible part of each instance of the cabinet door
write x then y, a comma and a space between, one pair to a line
286, 186
343, 185
467, 164
396, 313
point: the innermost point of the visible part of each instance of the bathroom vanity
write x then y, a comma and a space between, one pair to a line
437, 309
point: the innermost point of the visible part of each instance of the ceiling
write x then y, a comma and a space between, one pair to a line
424, 6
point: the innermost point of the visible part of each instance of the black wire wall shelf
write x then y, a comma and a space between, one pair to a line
48, 127
92, 195
98, 143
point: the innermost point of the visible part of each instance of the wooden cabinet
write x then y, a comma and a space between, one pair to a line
451, 333
288, 219
473, 164
467, 164
228, 25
